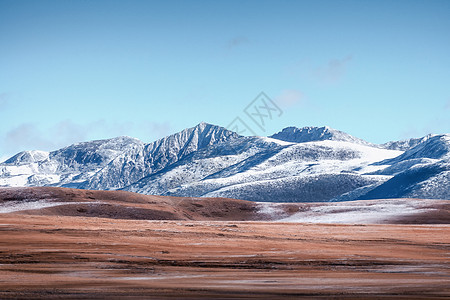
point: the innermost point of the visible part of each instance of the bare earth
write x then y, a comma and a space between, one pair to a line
66, 252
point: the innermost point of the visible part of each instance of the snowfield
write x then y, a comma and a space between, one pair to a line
379, 211
15, 206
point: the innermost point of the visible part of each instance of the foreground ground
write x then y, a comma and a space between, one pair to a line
48, 257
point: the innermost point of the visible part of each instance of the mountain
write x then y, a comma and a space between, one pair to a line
433, 147
27, 157
404, 145
135, 163
422, 171
303, 172
65, 167
313, 134
307, 164
107, 164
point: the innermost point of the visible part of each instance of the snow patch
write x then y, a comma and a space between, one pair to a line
14, 206
274, 210
358, 213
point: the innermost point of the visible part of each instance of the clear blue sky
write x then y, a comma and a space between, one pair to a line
79, 70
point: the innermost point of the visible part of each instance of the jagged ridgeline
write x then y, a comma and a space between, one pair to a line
295, 165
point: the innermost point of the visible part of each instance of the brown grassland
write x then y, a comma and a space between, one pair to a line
46, 255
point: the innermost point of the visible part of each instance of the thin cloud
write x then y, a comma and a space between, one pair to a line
69, 132
112, 129
289, 98
158, 129
411, 132
438, 125
4, 101
25, 136
447, 105
29, 136
237, 41
333, 71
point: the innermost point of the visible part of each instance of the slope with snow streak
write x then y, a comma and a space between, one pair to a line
314, 171
217, 161
373, 212
69, 166
107, 164
314, 134
136, 163
420, 172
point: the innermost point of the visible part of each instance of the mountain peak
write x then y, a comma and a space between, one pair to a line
201, 136
138, 163
432, 146
312, 134
26, 157
203, 125
208, 126
405, 144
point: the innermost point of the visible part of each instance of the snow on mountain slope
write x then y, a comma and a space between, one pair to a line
315, 171
404, 145
27, 157
312, 134
421, 172
306, 164
212, 161
430, 181
432, 147
144, 160
65, 167
107, 164
298, 188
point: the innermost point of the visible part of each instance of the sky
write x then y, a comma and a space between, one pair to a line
73, 71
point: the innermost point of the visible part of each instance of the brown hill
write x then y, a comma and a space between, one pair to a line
55, 201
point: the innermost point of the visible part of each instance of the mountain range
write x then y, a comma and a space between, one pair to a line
310, 164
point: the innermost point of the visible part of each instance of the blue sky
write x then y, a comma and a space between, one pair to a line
72, 71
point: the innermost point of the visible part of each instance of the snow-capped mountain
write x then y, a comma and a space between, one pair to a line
295, 165
422, 171
65, 167
274, 171
404, 145
142, 160
313, 134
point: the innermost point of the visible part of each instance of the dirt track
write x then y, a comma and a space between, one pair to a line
83, 257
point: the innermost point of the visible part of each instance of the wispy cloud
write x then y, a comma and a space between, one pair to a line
289, 98
4, 101
333, 71
29, 136
158, 129
26, 136
411, 132
447, 105
438, 125
237, 41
